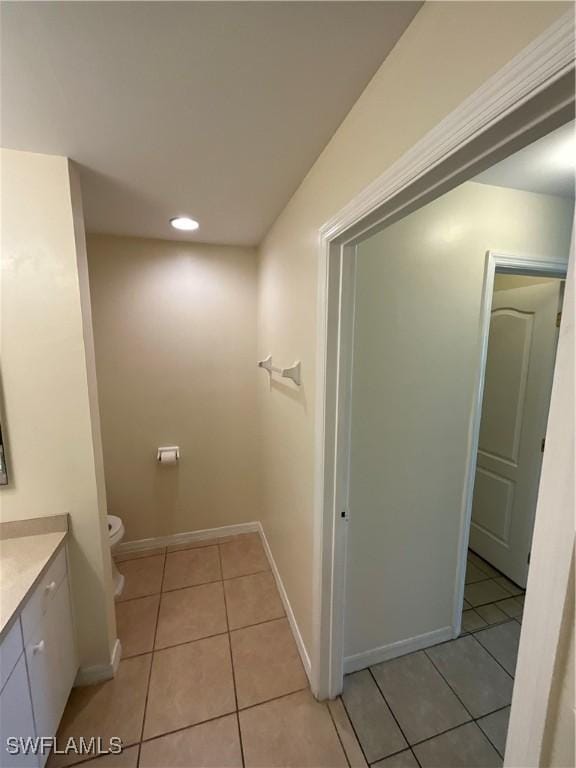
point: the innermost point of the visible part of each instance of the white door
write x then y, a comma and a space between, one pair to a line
518, 381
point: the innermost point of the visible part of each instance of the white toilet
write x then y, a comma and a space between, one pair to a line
116, 534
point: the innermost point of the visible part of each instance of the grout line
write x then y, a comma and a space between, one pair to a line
389, 706
142, 557
275, 698
395, 754
257, 623
252, 573
152, 659
431, 660
184, 642
231, 660
208, 720
415, 756
190, 586
454, 728
198, 639
338, 735
354, 729
185, 727
494, 657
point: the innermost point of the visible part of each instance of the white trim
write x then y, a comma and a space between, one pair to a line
506, 263
399, 648
286, 603
174, 539
525, 99
540, 64
99, 673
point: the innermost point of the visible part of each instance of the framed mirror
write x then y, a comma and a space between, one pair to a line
3, 470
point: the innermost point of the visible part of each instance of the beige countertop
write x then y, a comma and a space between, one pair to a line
23, 560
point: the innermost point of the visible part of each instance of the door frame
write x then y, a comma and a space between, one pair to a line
508, 264
529, 97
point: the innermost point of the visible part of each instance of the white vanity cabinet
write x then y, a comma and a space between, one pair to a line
42, 639
16, 719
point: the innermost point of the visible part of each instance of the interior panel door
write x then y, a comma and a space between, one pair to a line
518, 381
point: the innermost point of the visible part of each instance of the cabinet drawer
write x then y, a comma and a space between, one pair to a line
40, 599
10, 651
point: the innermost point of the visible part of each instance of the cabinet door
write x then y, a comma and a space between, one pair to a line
63, 657
52, 663
16, 718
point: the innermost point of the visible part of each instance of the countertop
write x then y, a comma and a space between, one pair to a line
23, 561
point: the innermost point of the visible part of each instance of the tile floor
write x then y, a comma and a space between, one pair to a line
210, 677
446, 706
210, 674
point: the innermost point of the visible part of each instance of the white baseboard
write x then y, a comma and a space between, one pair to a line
287, 607
100, 672
174, 539
399, 648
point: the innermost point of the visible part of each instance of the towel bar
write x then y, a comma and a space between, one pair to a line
292, 372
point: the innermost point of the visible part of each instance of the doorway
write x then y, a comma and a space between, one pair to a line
523, 334
520, 337
421, 176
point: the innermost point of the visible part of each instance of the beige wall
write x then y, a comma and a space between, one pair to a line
175, 334
416, 364
413, 89
48, 380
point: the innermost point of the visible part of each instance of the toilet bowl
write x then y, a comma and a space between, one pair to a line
116, 534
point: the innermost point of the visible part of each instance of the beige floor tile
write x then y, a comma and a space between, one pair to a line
209, 745
266, 662
243, 555
189, 684
128, 758
484, 592
403, 759
471, 620
136, 623
113, 708
143, 576
190, 614
347, 736
121, 557
199, 543
252, 599
191, 567
512, 607
491, 613
295, 730
509, 586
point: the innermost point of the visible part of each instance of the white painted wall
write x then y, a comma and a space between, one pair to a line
175, 333
49, 386
416, 362
440, 60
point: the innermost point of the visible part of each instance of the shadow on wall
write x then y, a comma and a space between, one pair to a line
297, 394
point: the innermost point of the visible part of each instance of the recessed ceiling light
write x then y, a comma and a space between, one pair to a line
184, 223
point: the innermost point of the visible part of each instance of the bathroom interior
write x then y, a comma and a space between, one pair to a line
157, 454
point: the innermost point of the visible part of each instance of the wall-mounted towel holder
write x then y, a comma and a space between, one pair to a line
292, 372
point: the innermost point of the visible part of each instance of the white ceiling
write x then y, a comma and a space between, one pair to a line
547, 166
212, 109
